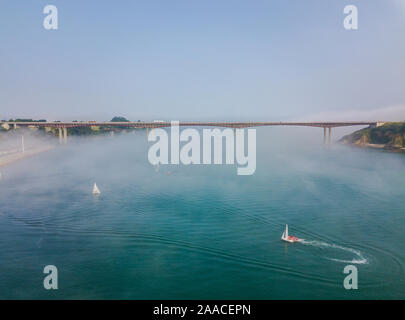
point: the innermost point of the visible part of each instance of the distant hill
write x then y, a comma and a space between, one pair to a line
119, 119
389, 136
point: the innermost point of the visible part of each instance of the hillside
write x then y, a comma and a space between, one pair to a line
389, 136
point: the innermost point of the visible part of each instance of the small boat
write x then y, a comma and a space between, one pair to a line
286, 237
96, 189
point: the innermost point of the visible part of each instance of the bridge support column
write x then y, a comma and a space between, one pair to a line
147, 133
15, 126
324, 135
60, 134
330, 135
64, 135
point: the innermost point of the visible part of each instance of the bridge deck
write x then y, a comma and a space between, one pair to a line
192, 124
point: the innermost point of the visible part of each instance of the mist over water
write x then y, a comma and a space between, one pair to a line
203, 232
11, 141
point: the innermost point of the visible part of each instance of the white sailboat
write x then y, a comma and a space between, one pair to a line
286, 237
96, 190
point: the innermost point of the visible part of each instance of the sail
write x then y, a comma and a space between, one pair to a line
286, 230
95, 189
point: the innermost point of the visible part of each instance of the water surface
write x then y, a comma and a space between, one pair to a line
202, 232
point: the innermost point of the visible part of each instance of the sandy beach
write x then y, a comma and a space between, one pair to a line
11, 158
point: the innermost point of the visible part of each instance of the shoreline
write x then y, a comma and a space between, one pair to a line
382, 147
10, 159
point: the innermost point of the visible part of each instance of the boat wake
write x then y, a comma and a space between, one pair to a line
360, 259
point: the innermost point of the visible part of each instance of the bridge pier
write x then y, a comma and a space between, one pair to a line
327, 137
15, 125
330, 135
64, 135
60, 135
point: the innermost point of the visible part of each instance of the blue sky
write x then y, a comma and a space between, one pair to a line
216, 60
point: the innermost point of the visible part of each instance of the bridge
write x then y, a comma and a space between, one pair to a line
63, 126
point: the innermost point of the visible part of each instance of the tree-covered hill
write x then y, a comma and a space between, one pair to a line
391, 135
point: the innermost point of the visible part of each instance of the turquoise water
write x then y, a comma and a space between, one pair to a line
202, 232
